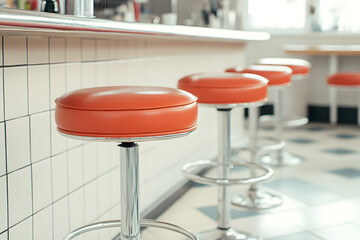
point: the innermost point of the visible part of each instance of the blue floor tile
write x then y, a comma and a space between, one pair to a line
346, 136
297, 236
302, 191
212, 212
317, 129
302, 140
200, 185
339, 151
347, 172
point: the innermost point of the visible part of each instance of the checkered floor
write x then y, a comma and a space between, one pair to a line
321, 195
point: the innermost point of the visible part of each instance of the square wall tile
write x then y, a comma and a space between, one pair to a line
17, 135
90, 168
38, 50
61, 218
103, 157
2, 150
57, 82
1, 94
16, 92
73, 50
77, 209
58, 142
104, 193
57, 50
73, 76
38, 88
4, 236
43, 227
102, 50
88, 74
40, 136
20, 200
88, 50
103, 75
15, 51
41, 176
3, 204
1, 53
91, 202
76, 168
59, 176
21, 231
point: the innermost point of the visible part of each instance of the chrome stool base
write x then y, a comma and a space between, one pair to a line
270, 120
226, 234
286, 159
143, 223
257, 200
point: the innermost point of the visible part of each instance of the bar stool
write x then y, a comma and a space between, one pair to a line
342, 81
225, 91
279, 77
127, 115
300, 71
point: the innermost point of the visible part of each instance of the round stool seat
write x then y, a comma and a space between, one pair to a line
225, 88
344, 79
126, 112
298, 66
277, 75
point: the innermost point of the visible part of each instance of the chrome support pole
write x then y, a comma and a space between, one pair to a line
224, 169
129, 185
278, 114
253, 133
333, 107
358, 107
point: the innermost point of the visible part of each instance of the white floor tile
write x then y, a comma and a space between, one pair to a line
346, 231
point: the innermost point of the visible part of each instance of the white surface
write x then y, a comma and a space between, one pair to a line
38, 51
77, 209
90, 162
91, 206
40, 136
61, 218
73, 50
59, 176
16, 92
38, 88
3, 204
57, 82
75, 166
88, 51
58, 142
41, 175
15, 51
17, 134
2, 150
88, 75
102, 49
1, 94
57, 50
4, 236
20, 200
73, 76
21, 231
43, 224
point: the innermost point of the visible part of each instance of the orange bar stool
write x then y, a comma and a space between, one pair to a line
279, 77
224, 91
300, 71
127, 115
342, 81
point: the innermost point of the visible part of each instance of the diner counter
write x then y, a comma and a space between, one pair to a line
35, 23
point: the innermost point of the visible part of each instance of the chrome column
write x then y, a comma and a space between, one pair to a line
278, 114
84, 8
253, 134
333, 107
224, 168
129, 185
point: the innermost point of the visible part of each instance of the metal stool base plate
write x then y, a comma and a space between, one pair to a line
228, 234
257, 200
287, 159
269, 120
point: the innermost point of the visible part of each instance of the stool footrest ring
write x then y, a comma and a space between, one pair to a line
204, 164
143, 223
269, 120
264, 144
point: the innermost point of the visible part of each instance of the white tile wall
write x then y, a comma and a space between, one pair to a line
40, 136
57, 50
38, 50
3, 204
17, 137
15, 51
4, 236
16, 92
20, 200
59, 176
2, 150
43, 224
23, 230
1, 95
1, 51
38, 88
58, 182
41, 184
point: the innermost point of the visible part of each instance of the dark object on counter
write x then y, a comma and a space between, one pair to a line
50, 6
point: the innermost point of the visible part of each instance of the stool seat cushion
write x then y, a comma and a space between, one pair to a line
225, 88
126, 112
277, 75
298, 66
344, 79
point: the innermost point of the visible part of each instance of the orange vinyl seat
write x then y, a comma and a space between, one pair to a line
344, 79
277, 75
225, 88
126, 112
298, 66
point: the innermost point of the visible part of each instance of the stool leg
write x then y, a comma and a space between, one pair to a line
358, 108
224, 231
129, 183
255, 197
333, 107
